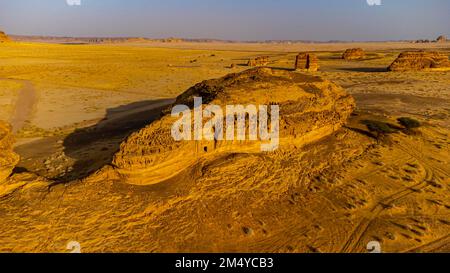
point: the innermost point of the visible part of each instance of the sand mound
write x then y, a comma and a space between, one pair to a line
8, 159
4, 38
354, 54
260, 61
420, 60
306, 62
310, 108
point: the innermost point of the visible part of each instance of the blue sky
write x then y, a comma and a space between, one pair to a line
230, 19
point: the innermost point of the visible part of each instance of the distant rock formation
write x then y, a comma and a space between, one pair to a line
306, 62
172, 40
310, 109
137, 40
97, 41
441, 39
8, 159
420, 60
354, 54
259, 61
4, 38
422, 41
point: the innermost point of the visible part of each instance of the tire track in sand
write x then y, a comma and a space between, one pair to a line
358, 233
25, 103
431, 246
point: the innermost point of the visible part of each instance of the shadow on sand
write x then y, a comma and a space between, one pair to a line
267, 66
365, 69
94, 147
282, 68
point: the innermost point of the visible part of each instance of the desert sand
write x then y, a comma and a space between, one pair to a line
79, 113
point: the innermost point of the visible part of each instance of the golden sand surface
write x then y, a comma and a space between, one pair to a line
72, 106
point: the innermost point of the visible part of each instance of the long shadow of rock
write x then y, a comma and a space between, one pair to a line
94, 147
282, 68
365, 69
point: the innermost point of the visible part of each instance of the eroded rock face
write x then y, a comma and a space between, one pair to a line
354, 54
8, 159
420, 60
3, 37
310, 108
259, 61
306, 62
441, 39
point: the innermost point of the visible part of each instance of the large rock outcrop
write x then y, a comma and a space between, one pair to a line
420, 60
441, 39
354, 54
259, 61
306, 62
3, 37
8, 159
310, 108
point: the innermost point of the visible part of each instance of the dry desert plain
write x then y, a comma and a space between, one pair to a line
71, 108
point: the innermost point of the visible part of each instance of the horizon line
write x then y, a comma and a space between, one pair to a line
186, 39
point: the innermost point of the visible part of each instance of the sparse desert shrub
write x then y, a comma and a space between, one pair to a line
379, 128
409, 123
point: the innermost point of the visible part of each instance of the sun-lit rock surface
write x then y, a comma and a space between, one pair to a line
3, 37
259, 61
8, 159
307, 62
354, 54
310, 108
333, 195
420, 60
441, 39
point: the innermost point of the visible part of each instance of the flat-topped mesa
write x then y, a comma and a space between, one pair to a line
8, 159
259, 61
307, 62
354, 54
310, 108
420, 60
4, 38
441, 39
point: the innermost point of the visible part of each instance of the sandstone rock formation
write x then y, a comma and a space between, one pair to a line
259, 61
309, 109
306, 62
441, 39
420, 60
3, 37
8, 159
354, 54
172, 40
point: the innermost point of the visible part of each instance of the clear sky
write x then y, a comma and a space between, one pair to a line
319, 20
